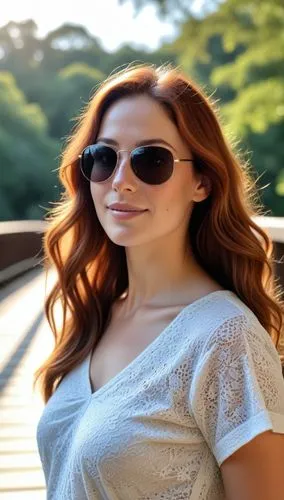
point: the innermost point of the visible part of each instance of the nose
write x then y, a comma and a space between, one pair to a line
123, 177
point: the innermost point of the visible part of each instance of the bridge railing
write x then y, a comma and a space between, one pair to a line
21, 245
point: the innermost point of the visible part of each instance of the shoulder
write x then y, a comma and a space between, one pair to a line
227, 318
229, 338
241, 336
218, 317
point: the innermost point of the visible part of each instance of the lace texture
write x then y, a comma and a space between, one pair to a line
237, 389
160, 429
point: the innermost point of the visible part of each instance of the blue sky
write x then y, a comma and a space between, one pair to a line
112, 23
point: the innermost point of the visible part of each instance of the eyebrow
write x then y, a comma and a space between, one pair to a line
145, 142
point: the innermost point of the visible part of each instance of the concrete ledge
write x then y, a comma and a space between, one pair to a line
274, 226
20, 247
18, 268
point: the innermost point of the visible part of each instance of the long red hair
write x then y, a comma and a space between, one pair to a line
226, 241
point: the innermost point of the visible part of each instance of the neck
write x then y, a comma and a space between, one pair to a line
160, 276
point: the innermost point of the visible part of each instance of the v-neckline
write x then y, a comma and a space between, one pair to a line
145, 351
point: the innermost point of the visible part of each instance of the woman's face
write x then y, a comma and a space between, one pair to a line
168, 205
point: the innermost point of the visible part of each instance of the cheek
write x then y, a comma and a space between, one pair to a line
178, 204
174, 200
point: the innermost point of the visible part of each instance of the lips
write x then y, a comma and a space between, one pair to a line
118, 210
123, 215
125, 207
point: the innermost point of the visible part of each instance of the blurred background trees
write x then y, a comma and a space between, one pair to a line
235, 52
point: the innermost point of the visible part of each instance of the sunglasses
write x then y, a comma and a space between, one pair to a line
151, 164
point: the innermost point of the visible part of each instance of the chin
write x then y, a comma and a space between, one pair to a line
123, 239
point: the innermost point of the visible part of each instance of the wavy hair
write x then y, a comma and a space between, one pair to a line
226, 241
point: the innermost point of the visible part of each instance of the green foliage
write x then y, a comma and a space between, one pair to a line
280, 183
12, 98
72, 90
252, 110
171, 8
27, 155
255, 28
44, 86
235, 52
246, 76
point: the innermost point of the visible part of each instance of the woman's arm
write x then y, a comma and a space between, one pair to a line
256, 470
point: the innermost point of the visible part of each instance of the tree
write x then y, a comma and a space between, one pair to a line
75, 85
234, 50
27, 155
254, 76
166, 8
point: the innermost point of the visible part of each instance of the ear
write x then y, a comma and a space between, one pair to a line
202, 188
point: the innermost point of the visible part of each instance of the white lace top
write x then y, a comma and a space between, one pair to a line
160, 429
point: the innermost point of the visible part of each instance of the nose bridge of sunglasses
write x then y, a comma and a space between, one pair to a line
123, 160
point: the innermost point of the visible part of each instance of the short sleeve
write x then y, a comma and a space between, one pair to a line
237, 389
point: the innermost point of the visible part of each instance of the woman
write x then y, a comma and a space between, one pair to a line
165, 381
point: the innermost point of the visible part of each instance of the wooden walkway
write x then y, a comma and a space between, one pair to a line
25, 340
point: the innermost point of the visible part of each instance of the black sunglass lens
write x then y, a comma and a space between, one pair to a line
98, 162
152, 164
